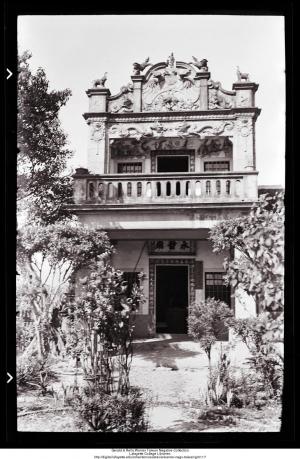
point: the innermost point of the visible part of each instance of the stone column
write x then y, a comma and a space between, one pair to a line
203, 78
98, 99
96, 118
245, 93
244, 138
96, 146
137, 92
79, 185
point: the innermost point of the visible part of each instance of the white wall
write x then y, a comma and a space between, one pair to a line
126, 257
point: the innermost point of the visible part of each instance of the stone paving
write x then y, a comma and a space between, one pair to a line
172, 371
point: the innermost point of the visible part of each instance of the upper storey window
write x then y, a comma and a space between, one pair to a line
129, 168
172, 163
216, 166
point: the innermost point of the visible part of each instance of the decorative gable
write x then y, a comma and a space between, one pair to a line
171, 86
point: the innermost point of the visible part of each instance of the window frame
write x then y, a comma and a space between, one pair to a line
133, 164
227, 287
216, 169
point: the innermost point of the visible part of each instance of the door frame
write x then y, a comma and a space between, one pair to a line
153, 262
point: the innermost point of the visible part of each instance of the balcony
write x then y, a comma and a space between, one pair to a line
164, 188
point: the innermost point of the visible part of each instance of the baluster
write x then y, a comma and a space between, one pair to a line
91, 191
173, 188
238, 188
133, 189
198, 188
168, 188
110, 191
148, 190
192, 189
188, 188
100, 191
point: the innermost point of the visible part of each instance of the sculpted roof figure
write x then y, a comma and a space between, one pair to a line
138, 68
201, 65
100, 81
241, 75
171, 61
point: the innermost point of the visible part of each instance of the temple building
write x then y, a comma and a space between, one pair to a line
169, 156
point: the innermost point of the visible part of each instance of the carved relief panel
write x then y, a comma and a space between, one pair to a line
122, 102
171, 86
219, 98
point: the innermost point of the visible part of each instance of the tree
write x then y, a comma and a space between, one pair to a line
100, 327
259, 240
43, 186
48, 257
206, 322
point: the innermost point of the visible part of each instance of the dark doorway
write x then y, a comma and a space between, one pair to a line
171, 299
172, 164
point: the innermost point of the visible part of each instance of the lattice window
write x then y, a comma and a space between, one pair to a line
216, 166
129, 168
215, 287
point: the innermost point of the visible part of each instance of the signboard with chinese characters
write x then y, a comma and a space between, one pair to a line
172, 246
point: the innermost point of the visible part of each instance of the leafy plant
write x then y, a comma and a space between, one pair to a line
100, 328
44, 187
47, 260
112, 413
265, 359
205, 322
222, 415
258, 240
33, 373
247, 390
218, 390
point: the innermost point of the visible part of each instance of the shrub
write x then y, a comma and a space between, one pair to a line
265, 358
112, 413
247, 390
220, 414
100, 327
34, 373
206, 321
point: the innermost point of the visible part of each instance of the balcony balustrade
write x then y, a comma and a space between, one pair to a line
163, 188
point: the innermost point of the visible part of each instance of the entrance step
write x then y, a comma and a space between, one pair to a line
165, 340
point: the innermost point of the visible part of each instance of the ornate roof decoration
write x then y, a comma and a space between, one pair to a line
174, 86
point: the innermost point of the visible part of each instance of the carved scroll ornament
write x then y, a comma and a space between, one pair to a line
182, 129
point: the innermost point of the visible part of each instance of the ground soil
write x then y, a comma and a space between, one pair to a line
172, 373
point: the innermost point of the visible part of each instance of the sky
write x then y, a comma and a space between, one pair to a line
75, 50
